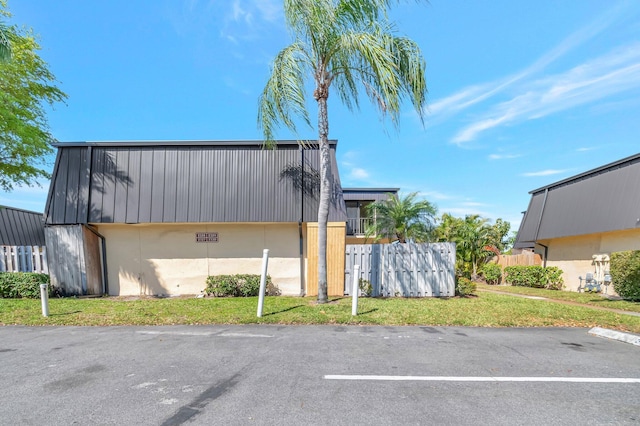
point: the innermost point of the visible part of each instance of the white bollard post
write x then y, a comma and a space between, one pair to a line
263, 281
44, 298
355, 289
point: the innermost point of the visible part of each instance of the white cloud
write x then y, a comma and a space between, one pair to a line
431, 195
472, 95
534, 98
616, 72
358, 173
548, 172
503, 156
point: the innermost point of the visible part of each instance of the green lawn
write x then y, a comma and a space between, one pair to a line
592, 299
485, 310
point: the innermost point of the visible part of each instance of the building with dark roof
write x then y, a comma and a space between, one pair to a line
155, 218
358, 218
576, 223
21, 227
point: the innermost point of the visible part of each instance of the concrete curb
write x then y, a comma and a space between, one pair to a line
616, 335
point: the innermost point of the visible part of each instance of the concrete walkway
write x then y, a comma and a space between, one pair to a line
566, 302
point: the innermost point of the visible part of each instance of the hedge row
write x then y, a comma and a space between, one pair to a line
23, 285
625, 274
492, 273
238, 285
534, 276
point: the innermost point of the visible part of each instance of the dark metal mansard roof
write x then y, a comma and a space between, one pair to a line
368, 194
600, 200
188, 181
21, 227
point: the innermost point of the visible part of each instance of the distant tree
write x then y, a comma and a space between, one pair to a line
26, 86
346, 46
447, 226
500, 236
401, 219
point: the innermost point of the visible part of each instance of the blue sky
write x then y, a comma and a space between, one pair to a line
521, 94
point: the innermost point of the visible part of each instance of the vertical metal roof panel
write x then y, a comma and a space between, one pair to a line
133, 186
206, 194
177, 182
21, 227
158, 188
95, 187
84, 185
182, 186
601, 203
146, 184
73, 187
60, 189
121, 186
195, 185
170, 185
601, 200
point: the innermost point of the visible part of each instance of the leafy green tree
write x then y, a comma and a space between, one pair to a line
5, 46
346, 46
472, 235
26, 87
402, 219
500, 236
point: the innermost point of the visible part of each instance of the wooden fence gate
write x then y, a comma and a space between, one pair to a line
408, 270
23, 259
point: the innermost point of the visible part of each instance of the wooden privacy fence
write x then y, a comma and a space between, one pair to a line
408, 270
23, 259
523, 259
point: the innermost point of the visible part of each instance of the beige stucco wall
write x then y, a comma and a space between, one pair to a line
166, 259
574, 254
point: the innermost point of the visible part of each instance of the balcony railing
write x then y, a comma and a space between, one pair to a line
358, 226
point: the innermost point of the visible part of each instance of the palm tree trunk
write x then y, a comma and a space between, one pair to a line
323, 206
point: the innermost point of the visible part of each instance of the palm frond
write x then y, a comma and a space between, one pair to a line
283, 97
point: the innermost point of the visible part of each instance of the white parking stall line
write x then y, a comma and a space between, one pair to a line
483, 379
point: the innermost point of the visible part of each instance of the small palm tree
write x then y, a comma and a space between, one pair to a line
402, 219
345, 45
474, 234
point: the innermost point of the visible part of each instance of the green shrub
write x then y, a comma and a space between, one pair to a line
238, 285
465, 287
625, 274
365, 287
534, 276
492, 273
553, 276
23, 285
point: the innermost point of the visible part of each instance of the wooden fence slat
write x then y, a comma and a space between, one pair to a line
523, 259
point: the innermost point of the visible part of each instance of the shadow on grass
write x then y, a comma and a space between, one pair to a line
64, 313
291, 308
370, 311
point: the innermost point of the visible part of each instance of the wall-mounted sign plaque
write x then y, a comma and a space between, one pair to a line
206, 237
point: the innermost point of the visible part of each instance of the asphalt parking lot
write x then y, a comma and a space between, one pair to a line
315, 375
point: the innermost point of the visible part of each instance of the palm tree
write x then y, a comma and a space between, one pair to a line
474, 234
401, 219
346, 45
